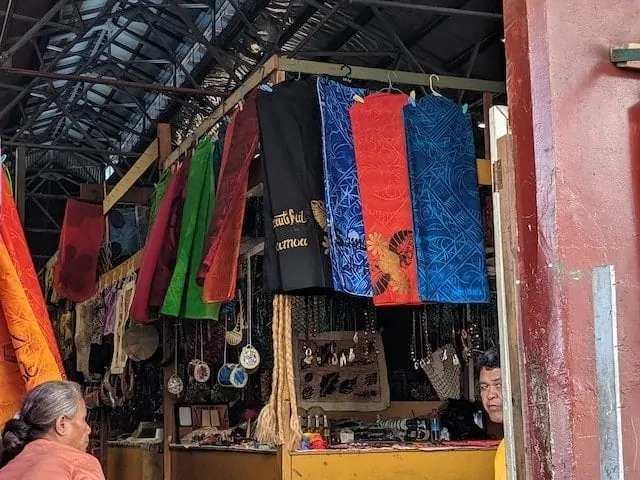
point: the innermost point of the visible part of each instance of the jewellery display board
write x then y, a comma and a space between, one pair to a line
340, 371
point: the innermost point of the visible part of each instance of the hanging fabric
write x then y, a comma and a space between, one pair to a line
218, 271
27, 346
219, 149
29, 353
124, 298
14, 239
80, 241
184, 295
158, 256
110, 303
124, 235
82, 338
160, 191
381, 160
446, 202
347, 243
293, 180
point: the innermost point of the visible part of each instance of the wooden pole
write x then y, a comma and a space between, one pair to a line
168, 400
385, 76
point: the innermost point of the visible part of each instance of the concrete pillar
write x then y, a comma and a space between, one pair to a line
576, 137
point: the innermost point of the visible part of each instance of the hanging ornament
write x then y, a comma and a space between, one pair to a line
175, 385
201, 371
234, 337
249, 356
352, 355
308, 356
334, 355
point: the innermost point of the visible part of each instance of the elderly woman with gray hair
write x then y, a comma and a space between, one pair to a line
49, 437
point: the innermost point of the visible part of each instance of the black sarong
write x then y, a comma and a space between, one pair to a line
296, 245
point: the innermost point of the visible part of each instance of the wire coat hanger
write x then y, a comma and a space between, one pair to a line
390, 88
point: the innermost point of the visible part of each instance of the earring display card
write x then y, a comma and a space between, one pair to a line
322, 380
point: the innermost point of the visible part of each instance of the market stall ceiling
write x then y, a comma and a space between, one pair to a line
207, 45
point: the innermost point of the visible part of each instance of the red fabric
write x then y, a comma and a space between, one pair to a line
220, 264
76, 273
13, 237
159, 255
383, 178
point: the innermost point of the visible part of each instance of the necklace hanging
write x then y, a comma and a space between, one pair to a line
175, 384
413, 348
201, 371
424, 320
234, 337
371, 329
249, 356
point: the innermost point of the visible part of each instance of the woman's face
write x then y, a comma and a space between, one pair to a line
74, 431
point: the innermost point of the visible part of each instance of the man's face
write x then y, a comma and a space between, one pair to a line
491, 393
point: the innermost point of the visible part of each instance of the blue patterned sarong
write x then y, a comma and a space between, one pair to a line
443, 174
347, 245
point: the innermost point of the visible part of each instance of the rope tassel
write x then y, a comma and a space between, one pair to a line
273, 417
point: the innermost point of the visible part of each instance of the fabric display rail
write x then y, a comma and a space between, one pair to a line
369, 193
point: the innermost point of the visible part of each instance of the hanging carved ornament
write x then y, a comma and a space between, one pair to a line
109, 390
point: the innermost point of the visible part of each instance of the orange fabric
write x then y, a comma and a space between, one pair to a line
383, 179
47, 460
16, 243
29, 353
25, 338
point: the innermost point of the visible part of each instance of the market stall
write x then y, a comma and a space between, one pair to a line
273, 368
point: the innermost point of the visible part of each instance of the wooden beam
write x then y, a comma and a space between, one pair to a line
225, 107
136, 171
121, 271
94, 192
383, 76
164, 143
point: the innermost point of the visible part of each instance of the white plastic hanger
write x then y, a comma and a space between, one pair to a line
433, 90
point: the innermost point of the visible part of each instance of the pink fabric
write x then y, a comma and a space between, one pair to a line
47, 460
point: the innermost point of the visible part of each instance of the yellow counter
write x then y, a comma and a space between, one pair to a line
393, 465
200, 463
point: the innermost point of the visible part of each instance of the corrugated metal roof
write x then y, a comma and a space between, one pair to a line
210, 45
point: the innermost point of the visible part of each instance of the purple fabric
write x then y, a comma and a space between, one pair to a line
110, 297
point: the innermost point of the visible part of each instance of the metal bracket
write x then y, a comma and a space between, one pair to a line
626, 56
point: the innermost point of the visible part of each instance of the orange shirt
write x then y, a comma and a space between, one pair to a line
47, 460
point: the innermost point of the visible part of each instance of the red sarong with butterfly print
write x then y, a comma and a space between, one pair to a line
383, 178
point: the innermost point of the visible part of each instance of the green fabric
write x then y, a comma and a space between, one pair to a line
158, 194
184, 295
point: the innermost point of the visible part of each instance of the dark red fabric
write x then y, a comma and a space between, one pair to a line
167, 260
139, 310
219, 266
76, 273
159, 255
383, 178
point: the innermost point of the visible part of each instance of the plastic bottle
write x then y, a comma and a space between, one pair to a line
435, 426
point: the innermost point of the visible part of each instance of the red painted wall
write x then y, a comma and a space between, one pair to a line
576, 127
